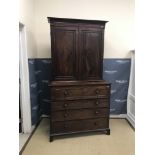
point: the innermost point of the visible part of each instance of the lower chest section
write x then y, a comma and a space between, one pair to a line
79, 108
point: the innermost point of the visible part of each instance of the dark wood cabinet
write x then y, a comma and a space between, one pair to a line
79, 95
77, 49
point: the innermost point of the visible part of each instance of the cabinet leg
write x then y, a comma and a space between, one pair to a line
51, 138
107, 131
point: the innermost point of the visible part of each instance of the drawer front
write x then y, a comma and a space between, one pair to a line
79, 114
79, 91
79, 104
82, 125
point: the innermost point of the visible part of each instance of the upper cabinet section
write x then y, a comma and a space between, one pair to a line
77, 48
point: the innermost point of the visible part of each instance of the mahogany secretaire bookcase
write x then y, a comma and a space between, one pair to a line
80, 98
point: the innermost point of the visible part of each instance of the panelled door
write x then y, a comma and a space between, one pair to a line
64, 52
91, 53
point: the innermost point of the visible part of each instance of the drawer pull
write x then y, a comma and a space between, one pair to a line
97, 103
65, 115
65, 92
65, 105
96, 112
97, 91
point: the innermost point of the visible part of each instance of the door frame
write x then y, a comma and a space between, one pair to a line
24, 79
131, 95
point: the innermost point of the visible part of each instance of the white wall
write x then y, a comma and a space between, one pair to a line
119, 31
26, 17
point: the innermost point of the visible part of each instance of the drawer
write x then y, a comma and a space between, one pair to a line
79, 104
82, 125
75, 92
79, 114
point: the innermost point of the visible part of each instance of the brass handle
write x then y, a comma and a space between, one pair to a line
65, 105
97, 102
96, 112
65, 115
97, 91
65, 92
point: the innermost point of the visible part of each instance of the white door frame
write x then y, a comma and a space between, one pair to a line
131, 95
24, 78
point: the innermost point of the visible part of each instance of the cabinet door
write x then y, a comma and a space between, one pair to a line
64, 49
91, 53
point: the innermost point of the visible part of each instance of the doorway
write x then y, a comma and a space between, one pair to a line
24, 92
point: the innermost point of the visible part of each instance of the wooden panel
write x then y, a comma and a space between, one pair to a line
64, 52
79, 114
79, 104
91, 53
82, 125
61, 93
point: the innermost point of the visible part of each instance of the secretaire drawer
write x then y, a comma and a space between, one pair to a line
79, 104
74, 92
82, 125
79, 114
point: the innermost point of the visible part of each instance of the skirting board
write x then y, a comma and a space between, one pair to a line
33, 128
131, 119
23, 138
111, 116
119, 116
45, 116
128, 116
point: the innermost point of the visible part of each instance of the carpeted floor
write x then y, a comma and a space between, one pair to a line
120, 142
